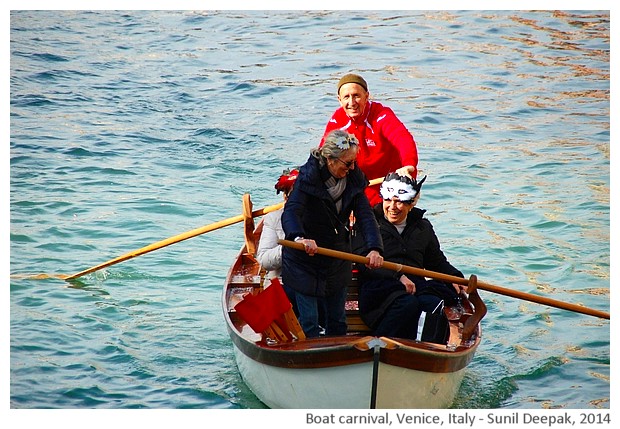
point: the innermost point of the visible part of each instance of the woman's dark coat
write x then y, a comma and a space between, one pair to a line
310, 212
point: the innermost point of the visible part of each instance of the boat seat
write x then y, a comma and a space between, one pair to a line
355, 324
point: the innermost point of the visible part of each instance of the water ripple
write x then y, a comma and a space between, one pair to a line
128, 127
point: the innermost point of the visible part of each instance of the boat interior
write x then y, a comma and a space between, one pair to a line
247, 276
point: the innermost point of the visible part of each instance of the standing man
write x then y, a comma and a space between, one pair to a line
385, 143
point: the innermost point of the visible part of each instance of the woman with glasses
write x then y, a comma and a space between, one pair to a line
330, 187
385, 143
391, 302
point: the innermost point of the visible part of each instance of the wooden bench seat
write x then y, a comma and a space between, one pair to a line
355, 324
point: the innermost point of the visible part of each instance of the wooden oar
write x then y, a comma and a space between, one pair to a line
453, 279
164, 243
176, 239
184, 236
159, 244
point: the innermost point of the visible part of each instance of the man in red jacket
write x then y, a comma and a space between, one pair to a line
385, 143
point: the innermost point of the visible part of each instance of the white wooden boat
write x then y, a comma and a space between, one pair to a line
357, 370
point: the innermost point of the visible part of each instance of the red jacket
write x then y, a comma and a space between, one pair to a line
385, 142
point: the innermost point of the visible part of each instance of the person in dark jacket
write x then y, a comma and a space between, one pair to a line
391, 302
329, 188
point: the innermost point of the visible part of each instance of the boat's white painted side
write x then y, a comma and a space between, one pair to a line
347, 386
408, 388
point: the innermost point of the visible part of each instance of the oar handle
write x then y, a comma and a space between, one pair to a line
454, 279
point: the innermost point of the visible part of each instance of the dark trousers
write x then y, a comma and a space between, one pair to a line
331, 308
401, 317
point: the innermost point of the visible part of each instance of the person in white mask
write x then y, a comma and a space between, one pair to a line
390, 302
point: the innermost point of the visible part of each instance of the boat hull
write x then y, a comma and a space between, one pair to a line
353, 371
297, 388
407, 388
348, 387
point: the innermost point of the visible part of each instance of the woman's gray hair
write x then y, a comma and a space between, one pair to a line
335, 144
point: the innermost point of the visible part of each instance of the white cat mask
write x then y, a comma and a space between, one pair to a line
401, 187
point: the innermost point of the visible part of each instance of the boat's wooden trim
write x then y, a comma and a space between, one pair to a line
427, 358
309, 353
338, 351
248, 223
471, 325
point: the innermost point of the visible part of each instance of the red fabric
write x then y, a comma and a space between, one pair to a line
286, 181
260, 310
385, 143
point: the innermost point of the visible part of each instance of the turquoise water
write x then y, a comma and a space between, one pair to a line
131, 127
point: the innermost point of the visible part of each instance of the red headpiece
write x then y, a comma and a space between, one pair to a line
286, 180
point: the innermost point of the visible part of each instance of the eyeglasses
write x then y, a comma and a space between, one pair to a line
347, 164
346, 143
